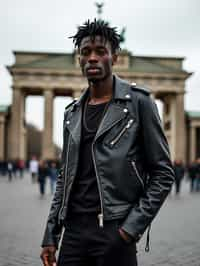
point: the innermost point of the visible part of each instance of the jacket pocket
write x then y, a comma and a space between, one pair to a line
134, 167
122, 132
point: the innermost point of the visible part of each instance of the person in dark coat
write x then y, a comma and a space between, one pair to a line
53, 173
192, 170
179, 174
43, 172
197, 176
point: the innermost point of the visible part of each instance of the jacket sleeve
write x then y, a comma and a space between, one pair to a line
159, 167
53, 227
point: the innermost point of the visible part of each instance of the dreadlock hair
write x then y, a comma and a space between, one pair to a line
100, 28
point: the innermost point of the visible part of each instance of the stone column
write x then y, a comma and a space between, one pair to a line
16, 132
178, 136
192, 143
25, 141
166, 115
2, 138
48, 152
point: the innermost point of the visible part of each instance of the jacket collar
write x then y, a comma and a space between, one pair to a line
114, 114
121, 91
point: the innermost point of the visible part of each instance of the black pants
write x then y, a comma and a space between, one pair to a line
84, 243
178, 186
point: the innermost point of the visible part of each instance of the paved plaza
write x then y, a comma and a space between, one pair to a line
174, 239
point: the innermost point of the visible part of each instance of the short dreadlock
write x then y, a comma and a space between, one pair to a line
94, 28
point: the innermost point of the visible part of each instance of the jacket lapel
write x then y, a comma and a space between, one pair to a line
114, 114
73, 124
74, 119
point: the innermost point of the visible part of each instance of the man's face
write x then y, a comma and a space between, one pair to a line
96, 58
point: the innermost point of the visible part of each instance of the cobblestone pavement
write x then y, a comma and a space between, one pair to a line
174, 240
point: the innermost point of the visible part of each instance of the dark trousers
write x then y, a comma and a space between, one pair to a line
84, 243
178, 186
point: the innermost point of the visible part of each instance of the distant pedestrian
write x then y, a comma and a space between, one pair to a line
1, 167
53, 173
179, 174
192, 171
33, 168
42, 175
21, 166
15, 168
197, 178
10, 170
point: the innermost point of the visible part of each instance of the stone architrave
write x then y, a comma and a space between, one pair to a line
2, 137
16, 142
48, 152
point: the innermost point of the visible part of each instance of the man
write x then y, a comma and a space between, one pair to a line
116, 167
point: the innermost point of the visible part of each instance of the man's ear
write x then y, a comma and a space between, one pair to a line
114, 58
78, 56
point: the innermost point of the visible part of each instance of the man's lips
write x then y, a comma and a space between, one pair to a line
93, 70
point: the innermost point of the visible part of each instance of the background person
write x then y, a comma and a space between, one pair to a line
43, 172
53, 173
179, 175
33, 168
192, 171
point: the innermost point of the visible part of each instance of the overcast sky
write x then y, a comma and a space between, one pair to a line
154, 27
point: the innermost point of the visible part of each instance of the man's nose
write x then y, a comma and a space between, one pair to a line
93, 57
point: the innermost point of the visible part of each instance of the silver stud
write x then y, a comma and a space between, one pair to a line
125, 110
68, 122
128, 96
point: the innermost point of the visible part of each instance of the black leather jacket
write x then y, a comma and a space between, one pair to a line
131, 158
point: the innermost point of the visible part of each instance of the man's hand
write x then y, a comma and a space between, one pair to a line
126, 237
48, 256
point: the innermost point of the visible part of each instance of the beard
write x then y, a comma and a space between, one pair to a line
97, 78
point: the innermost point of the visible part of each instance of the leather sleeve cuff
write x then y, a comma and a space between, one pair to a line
135, 236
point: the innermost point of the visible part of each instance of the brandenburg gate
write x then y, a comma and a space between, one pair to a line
53, 74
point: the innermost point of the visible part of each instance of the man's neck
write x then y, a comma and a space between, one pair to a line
101, 91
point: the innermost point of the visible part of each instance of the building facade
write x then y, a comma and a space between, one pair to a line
53, 74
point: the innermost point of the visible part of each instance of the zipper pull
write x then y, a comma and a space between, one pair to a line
129, 123
100, 217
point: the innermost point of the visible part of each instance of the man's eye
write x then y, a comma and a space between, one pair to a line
85, 52
101, 51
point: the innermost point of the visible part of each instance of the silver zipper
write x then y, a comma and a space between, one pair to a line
100, 215
116, 139
137, 173
63, 201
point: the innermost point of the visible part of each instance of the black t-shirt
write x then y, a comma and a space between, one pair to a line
84, 197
